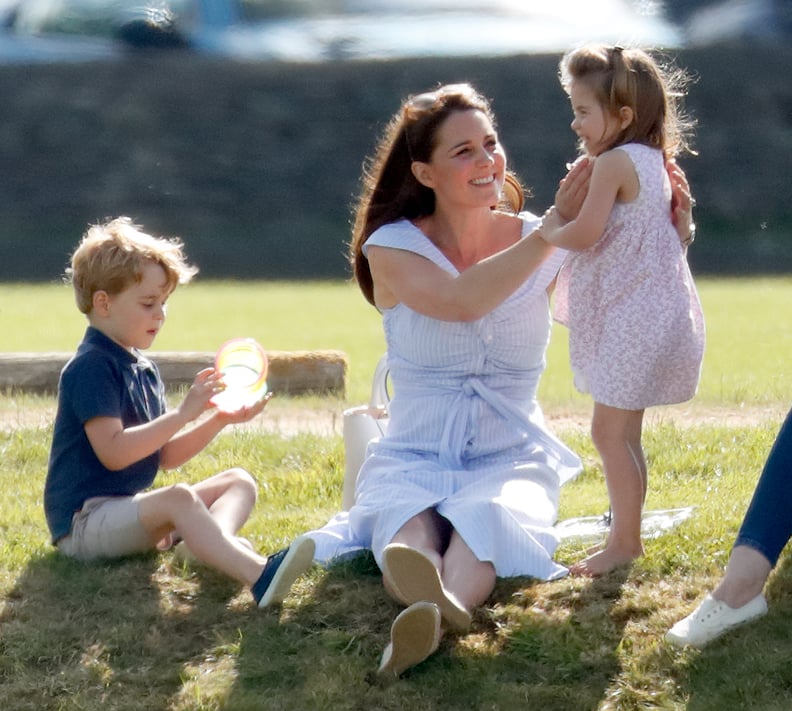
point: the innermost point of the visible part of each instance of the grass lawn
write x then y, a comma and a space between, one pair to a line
150, 633
746, 363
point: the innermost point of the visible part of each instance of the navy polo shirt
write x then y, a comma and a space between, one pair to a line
102, 379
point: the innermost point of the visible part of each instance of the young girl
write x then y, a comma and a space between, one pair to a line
625, 292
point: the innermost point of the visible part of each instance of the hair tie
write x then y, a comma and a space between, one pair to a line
617, 57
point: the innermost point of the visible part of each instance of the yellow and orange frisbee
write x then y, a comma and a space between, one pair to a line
244, 365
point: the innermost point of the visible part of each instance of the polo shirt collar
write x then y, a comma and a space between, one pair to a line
96, 338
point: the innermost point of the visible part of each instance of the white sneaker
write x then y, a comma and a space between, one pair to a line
712, 618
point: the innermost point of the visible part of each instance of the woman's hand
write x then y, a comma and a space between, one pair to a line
682, 203
551, 221
572, 189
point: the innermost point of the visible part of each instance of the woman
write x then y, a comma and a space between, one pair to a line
464, 486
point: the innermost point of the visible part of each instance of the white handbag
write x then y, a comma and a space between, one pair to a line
361, 425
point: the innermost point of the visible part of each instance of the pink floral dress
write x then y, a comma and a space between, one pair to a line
636, 329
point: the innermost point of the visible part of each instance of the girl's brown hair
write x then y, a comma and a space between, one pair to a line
631, 77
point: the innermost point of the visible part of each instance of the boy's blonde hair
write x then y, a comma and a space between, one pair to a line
112, 256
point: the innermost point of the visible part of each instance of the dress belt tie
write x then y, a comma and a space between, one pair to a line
459, 420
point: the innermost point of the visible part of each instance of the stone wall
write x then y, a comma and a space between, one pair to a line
256, 166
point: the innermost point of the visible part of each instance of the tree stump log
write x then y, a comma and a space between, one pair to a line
290, 372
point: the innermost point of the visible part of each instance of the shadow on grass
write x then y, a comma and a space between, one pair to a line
325, 652
749, 667
107, 635
139, 634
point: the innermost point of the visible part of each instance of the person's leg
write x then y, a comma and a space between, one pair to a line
460, 582
415, 635
765, 530
413, 564
426, 532
180, 508
766, 527
746, 574
468, 579
425, 567
230, 497
106, 527
737, 600
416, 631
617, 436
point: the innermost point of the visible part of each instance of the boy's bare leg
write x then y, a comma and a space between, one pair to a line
180, 508
230, 497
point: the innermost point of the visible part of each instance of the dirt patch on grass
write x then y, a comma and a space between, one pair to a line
692, 414
288, 418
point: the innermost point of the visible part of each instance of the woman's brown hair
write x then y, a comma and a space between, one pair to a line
390, 190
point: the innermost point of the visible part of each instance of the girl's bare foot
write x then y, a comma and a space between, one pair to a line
605, 560
597, 547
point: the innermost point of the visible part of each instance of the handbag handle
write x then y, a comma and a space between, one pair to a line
380, 397
361, 425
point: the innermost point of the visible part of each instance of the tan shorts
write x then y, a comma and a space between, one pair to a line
106, 527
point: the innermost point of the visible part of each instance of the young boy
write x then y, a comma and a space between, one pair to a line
112, 431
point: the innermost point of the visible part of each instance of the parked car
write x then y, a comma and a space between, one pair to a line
750, 21
320, 30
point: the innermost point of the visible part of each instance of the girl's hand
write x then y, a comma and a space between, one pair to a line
573, 188
207, 383
682, 203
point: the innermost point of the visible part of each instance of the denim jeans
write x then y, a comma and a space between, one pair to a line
767, 526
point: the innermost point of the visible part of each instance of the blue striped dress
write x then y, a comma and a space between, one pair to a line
466, 435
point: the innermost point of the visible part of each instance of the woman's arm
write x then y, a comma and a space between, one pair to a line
424, 287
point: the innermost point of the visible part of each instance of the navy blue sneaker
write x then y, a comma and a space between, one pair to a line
281, 570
